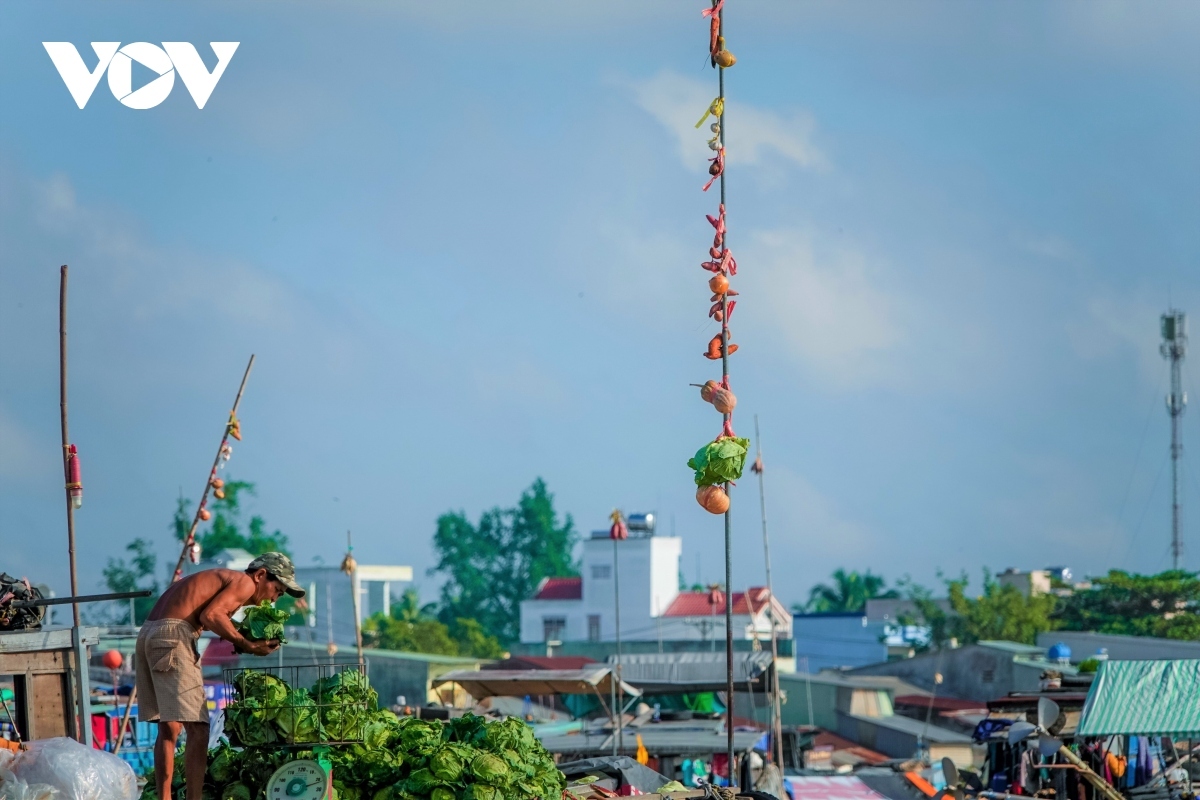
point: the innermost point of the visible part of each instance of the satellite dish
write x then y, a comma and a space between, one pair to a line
1020, 731
1047, 712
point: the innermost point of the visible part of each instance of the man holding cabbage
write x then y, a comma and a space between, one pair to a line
170, 686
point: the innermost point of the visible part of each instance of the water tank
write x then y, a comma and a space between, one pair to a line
1060, 653
640, 522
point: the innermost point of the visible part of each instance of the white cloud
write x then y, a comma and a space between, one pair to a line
827, 305
753, 135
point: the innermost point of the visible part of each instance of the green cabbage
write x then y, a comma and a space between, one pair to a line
468, 729
441, 793
264, 621
448, 764
489, 768
236, 791
250, 723
222, 765
480, 791
420, 736
720, 461
264, 687
297, 720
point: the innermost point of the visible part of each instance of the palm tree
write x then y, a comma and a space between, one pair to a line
409, 609
849, 592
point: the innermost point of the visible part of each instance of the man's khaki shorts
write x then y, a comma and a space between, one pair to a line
170, 687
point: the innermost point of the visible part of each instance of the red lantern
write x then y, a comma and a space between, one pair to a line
112, 659
74, 479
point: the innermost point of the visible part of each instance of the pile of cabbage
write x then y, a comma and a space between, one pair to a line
266, 711
391, 758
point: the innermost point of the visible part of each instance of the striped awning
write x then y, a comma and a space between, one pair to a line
1143, 698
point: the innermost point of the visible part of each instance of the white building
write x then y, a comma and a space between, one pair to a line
331, 598
582, 609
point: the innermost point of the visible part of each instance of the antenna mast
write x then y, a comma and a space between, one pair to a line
1173, 348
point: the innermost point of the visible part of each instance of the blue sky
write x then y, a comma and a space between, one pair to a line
463, 239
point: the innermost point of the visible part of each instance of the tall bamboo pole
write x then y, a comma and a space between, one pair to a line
212, 473
620, 708
84, 731
777, 722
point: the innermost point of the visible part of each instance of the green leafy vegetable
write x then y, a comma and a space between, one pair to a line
298, 720
264, 621
719, 461
468, 758
491, 769
222, 765
236, 791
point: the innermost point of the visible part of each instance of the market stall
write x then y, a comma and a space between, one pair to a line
44, 673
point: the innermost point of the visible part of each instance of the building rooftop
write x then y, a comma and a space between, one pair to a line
560, 589
699, 604
1016, 648
916, 727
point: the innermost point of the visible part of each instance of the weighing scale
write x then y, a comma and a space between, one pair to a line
304, 779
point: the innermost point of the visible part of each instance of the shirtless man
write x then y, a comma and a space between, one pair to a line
170, 687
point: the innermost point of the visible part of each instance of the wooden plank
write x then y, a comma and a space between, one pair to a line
51, 706
24, 704
37, 661
31, 641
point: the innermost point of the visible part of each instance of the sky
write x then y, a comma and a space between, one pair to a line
463, 242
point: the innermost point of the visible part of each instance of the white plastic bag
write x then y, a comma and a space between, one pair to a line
13, 788
78, 771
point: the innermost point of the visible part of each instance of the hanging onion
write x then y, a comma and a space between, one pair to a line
724, 400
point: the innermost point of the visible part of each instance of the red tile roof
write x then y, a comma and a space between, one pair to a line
827, 739
696, 604
560, 589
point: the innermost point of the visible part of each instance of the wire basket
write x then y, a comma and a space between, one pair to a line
297, 706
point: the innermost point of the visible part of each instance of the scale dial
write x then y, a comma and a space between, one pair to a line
300, 780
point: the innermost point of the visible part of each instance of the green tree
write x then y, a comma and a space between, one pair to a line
424, 636
226, 529
849, 592
494, 565
474, 641
414, 628
1163, 605
1002, 612
134, 575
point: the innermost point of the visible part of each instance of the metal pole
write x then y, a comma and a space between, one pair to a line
777, 723
212, 473
728, 418
84, 732
351, 568
620, 705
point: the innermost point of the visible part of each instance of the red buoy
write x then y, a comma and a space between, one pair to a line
112, 659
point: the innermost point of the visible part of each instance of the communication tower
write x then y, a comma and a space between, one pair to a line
1173, 348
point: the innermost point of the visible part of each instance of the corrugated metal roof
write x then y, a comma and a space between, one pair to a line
1143, 698
676, 673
